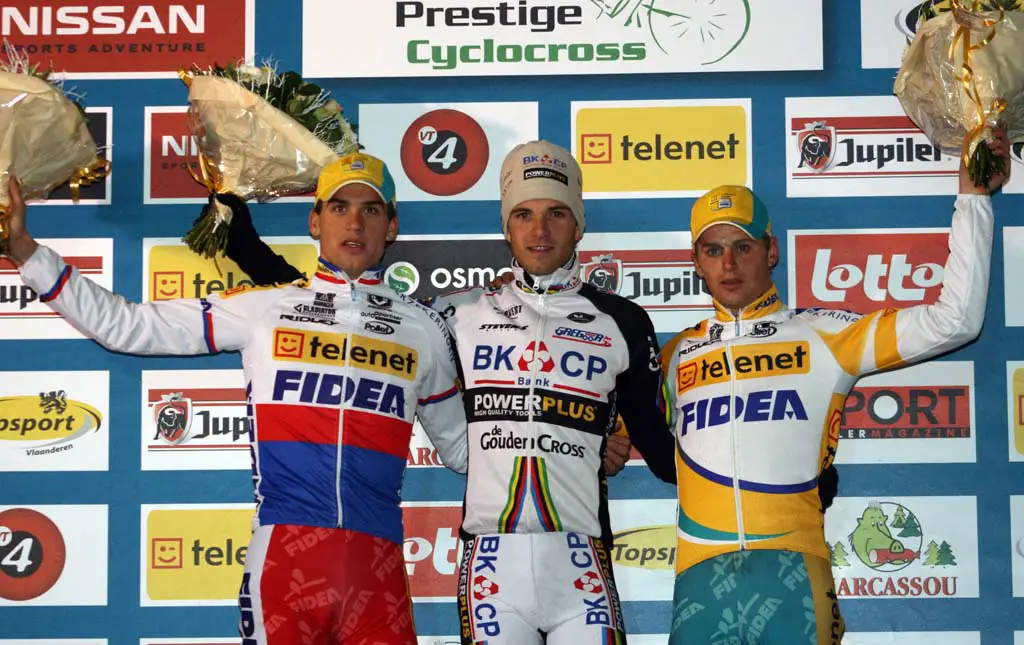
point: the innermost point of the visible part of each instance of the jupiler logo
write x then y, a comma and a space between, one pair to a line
173, 416
817, 146
603, 273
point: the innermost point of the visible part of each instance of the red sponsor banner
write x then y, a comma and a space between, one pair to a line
432, 549
170, 153
864, 271
896, 412
99, 39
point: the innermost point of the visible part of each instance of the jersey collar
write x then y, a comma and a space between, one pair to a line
336, 275
565, 278
768, 303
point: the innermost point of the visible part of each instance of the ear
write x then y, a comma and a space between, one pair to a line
696, 263
314, 225
392, 229
773, 252
579, 233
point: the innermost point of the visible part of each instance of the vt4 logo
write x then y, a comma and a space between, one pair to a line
536, 357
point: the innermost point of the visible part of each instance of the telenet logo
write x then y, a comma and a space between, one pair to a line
661, 148
194, 553
173, 271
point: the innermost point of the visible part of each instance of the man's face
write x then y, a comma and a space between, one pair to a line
543, 234
736, 268
353, 228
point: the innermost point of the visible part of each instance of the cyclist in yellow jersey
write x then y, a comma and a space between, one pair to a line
755, 396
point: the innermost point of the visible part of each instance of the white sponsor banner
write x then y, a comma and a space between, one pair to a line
1013, 268
643, 555
912, 638
920, 414
1017, 543
54, 421
53, 555
445, 151
904, 547
23, 316
480, 38
1015, 408
885, 27
861, 146
1018, 638
194, 420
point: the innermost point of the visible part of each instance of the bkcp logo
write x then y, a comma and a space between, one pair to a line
446, 151
93, 40
914, 547
921, 414
868, 269
22, 316
194, 554
171, 271
864, 145
661, 148
432, 549
194, 420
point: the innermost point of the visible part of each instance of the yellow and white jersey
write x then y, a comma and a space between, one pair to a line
756, 401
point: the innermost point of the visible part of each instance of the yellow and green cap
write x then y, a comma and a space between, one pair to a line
355, 168
733, 205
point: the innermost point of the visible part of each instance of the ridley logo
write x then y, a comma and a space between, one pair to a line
129, 40
867, 271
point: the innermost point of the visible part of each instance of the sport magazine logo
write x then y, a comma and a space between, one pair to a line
1017, 543
53, 555
193, 554
861, 146
528, 37
171, 271
24, 317
445, 151
96, 40
904, 547
194, 420
864, 270
676, 148
917, 414
54, 421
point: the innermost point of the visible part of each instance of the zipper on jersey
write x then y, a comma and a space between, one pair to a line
734, 438
350, 331
533, 383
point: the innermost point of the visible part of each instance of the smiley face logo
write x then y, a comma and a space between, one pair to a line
288, 344
168, 285
597, 148
166, 553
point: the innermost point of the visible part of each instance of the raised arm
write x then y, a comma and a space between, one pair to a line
250, 252
894, 337
178, 327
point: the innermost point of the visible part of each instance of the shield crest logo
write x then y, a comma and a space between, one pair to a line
173, 417
817, 146
603, 272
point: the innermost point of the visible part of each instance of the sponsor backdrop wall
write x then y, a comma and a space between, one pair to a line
110, 535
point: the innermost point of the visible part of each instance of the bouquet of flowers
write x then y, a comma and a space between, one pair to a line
963, 74
261, 135
44, 141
